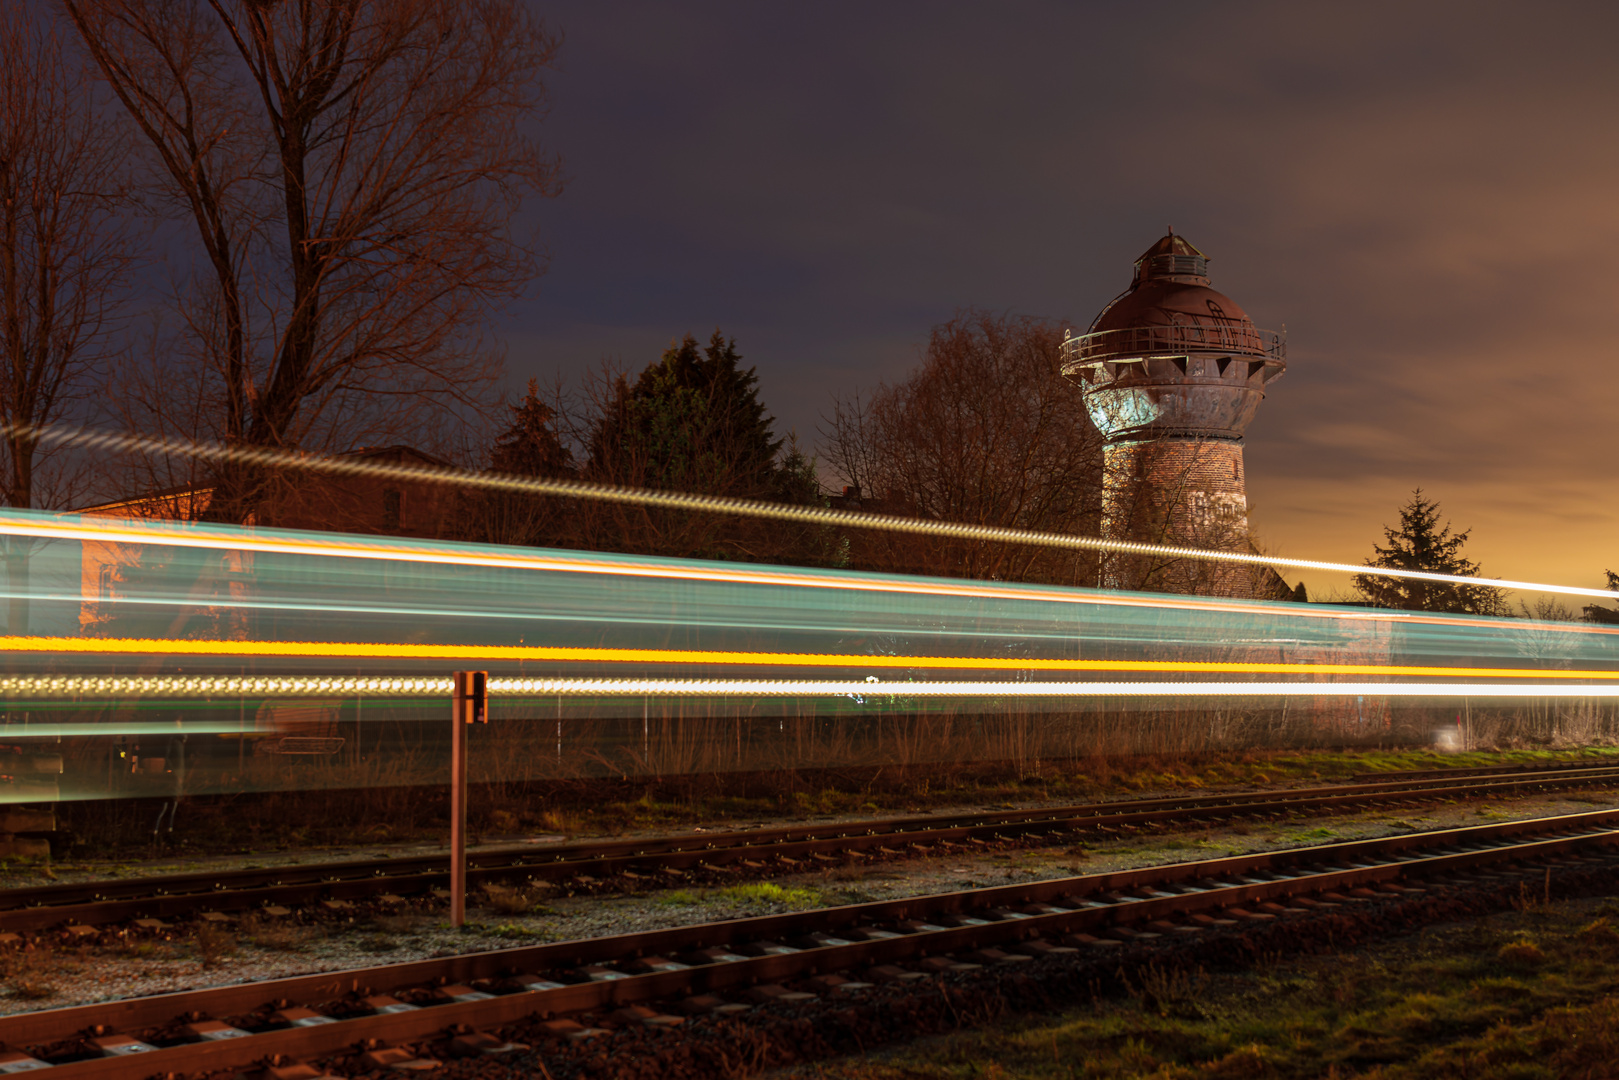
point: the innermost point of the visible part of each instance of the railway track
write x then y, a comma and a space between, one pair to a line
405, 1014
621, 864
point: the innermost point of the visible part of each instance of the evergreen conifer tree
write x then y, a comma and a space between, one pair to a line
1422, 543
529, 446
692, 421
1596, 612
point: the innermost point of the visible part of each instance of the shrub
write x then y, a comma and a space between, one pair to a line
1521, 953
214, 943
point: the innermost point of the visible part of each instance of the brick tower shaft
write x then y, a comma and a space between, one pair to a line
1179, 492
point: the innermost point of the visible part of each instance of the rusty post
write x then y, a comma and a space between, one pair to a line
469, 706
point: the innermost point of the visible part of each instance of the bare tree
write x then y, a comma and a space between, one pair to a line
984, 431
350, 169
63, 258
64, 249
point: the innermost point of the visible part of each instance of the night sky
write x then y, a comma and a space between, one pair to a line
1426, 195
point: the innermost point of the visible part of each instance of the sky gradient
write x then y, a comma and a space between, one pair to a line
1423, 194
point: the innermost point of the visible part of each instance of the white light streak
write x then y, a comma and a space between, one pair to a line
161, 727
176, 687
578, 489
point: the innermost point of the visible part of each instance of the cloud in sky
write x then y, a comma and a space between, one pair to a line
1423, 194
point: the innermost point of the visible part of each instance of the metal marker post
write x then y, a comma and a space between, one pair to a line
470, 706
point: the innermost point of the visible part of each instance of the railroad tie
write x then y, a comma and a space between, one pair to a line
483, 1044
296, 1070
400, 1058
571, 1029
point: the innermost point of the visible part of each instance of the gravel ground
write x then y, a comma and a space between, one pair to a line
47, 973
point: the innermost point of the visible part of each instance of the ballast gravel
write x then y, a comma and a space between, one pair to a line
54, 970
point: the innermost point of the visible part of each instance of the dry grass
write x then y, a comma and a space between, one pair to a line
1168, 991
513, 899
32, 975
214, 944
400, 924
1523, 953
275, 935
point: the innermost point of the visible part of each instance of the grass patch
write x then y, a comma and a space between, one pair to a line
511, 932
274, 935
767, 892
1522, 996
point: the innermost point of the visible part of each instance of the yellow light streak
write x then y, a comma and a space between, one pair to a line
592, 655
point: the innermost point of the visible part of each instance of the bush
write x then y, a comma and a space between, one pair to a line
1521, 953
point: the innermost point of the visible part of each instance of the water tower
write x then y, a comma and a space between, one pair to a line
1172, 372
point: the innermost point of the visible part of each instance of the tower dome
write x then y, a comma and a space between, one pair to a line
1172, 372
1171, 355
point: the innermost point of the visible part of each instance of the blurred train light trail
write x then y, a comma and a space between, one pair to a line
264, 659
40, 526
576, 489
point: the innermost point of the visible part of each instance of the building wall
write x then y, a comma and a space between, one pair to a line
353, 504
102, 562
1181, 492
367, 504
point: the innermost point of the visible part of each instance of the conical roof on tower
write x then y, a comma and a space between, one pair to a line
1170, 287
1171, 356
1170, 253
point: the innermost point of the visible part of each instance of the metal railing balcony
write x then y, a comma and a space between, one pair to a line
1207, 336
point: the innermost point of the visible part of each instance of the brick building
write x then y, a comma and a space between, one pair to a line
316, 501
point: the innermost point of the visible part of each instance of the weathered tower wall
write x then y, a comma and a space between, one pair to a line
1180, 492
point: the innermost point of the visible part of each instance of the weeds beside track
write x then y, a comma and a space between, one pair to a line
829, 967
707, 857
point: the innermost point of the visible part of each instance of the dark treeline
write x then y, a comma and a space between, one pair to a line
983, 430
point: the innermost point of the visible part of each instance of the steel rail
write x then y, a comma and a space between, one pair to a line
760, 852
745, 952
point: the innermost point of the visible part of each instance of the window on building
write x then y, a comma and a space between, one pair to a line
104, 579
391, 501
